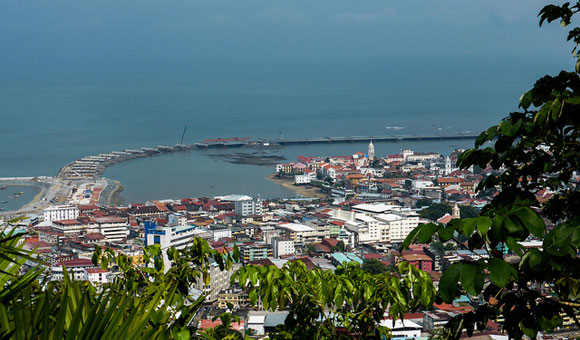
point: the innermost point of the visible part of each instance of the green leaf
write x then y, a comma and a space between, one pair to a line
500, 272
468, 225
446, 233
253, 296
483, 224
448, 287
181, 333
513, 227
531, 221
472, 278
526, 100
427, 232
411, 237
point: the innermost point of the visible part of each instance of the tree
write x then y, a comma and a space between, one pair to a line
142, 302
338, 248
422, 203
348, 303
435, 211
535, 149
374, 266
467, 211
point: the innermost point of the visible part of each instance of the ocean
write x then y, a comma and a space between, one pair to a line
47, 123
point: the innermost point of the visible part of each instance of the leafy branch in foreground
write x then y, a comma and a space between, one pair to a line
142, 302
345, 304
535, 152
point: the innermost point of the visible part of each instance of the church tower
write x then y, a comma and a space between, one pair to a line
455, 212
371, 152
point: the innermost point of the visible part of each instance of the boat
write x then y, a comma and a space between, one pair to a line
3, 187
13, 197
18, 193
3, 202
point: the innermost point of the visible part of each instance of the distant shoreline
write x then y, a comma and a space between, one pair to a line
303, 191
19, 183
114, 196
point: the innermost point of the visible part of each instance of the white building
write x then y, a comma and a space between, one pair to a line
399, 225
178, 237
74, 268
96, 275
244, 205
403, 329
60, 212
69, 227
371, 152
282, 247
219, 279
114, 228
301, 234
421, 183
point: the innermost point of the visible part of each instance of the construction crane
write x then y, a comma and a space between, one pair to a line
183, 135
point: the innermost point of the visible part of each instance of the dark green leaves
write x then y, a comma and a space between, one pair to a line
422, 234
500, 272
448, 287
472, 278
531, 221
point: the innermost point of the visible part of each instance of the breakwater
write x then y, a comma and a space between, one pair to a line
90, 167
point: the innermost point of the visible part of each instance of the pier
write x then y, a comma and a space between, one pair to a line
354, 139
91, 167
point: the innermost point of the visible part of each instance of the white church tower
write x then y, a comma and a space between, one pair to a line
455, 211
371, 152
448, 168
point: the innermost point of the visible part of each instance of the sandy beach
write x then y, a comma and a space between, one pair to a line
114, 196
301, 190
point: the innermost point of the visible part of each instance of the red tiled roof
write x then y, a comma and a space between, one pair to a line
78, 263
95, 270
67, 222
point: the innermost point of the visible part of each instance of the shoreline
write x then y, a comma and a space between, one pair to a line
114, 196
303, 191
43, 187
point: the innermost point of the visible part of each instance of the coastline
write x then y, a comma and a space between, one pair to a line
29, 205
114, 196
303, 191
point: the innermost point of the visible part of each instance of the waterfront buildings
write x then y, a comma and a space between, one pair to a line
372, 204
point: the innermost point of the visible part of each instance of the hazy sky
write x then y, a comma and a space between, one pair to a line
95, 38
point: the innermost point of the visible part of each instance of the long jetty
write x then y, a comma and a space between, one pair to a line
93, 166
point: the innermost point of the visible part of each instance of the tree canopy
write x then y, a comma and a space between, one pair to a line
536, 155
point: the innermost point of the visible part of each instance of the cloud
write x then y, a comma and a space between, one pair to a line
365, 17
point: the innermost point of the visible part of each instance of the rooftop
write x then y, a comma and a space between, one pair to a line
295, 227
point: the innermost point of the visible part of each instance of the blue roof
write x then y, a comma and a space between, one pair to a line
348, 257
353, 257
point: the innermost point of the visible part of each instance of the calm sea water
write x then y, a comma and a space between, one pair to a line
15, 196
47, 123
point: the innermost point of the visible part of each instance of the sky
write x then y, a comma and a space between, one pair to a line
87, 41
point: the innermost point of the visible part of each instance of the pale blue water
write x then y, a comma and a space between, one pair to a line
46, 123
12, 199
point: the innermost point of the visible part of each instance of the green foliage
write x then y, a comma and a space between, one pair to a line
147, 302
422, 203
435, 211
467, 211
338, 248
373, 266
346, 304
529, 151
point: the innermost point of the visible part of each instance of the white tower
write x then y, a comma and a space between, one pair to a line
447, 166
455, 212
371, 152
